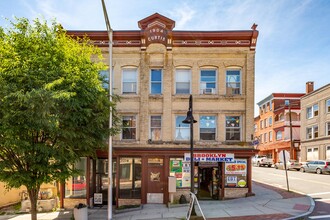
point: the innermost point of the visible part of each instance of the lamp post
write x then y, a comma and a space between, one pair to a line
190, 120
110, 36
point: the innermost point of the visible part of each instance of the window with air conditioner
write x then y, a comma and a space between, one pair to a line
208, 81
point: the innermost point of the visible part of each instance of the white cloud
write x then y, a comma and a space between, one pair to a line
182, 15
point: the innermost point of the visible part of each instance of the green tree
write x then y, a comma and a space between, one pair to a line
53, 108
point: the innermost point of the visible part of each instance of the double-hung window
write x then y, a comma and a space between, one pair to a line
279, 135
182, 131
156, 81
129, 127
207, 127
270, 121
208, 82
270, 136
327, 106
233, 82
312, 132
233, 128
156, 127
129, 81
328, 153
327, 129
312, 111
182, 81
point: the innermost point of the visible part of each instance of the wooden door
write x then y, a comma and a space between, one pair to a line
155, 181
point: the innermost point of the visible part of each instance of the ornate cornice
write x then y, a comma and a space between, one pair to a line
159, 29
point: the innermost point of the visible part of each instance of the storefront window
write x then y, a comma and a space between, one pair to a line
130, 178
236, 173
75, 187
181, 170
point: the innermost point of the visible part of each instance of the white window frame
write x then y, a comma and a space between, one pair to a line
270, 136
135, 128
182, 71
154, 128
278, 134
327, 106
312, 153
312, 111
312, 132
230, 89
235, 128
270, 121
183, 129
204, 89
214, 121
134, 82
156, 82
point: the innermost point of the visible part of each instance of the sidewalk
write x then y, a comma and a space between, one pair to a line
268, 203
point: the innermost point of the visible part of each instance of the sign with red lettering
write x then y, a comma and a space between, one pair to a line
210, 157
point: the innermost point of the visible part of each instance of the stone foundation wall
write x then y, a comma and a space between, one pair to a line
231, 193
123, 202
70, 203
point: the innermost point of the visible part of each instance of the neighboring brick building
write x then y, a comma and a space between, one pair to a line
272, 126
155, 70
315, 123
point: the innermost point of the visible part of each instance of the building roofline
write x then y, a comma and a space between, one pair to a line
316, 91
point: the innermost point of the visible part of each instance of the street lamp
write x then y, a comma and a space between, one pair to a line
110, 36
190, 120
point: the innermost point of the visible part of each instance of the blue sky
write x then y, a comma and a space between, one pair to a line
294, 35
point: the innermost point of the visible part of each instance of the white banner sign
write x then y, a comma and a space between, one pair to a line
210, 157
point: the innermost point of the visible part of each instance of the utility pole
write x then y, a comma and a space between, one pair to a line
110, 36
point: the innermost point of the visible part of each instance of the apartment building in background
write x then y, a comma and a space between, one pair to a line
315, 123
274, 131
155, 70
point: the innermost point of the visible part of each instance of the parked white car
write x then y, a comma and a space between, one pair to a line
262, 160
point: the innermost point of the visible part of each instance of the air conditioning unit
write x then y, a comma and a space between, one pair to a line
208, 91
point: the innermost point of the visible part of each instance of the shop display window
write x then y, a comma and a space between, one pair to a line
130, 178
236, 173
75, 187
181, 170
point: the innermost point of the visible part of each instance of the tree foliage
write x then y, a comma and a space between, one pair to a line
53, 109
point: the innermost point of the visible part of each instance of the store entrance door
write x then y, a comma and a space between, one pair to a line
209, 181
155, 189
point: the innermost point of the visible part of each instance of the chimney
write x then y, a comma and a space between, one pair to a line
309, 87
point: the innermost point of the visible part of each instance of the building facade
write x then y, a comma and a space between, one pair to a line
315, 123
155, 70
275, 131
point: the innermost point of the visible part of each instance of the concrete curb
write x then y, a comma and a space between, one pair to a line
310, 210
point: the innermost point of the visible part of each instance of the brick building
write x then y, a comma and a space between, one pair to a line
155, 70
272, 126
315, 123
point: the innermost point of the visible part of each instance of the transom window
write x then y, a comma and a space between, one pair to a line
182, 79
207, 127
129, 81
156, 127
233, 82
182, 131
156, 81
129, 128
208, 82
233, 128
